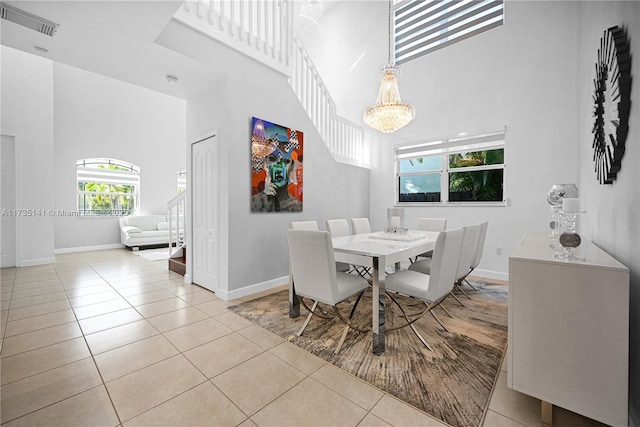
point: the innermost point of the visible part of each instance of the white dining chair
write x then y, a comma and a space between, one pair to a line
360, 225
430, 289
313, 226
432, 224
429, 224
467, 253
304, 225
312, 263
479, 250
339, 228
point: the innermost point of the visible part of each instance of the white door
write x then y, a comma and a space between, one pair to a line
204, 204
8, 202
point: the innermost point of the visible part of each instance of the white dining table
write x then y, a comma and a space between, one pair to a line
375, 250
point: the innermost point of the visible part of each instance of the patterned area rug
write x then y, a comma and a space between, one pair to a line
452, 383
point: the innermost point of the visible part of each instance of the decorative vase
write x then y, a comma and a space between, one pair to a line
556, 194
561, 191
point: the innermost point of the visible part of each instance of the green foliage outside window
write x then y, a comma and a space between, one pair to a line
476, 185
98, 198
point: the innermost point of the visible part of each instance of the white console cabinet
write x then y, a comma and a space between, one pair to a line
569, 329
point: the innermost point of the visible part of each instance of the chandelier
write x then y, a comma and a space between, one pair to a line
389, 113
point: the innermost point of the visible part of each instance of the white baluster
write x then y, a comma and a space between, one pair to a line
232, 14
265, 26
274, 16
250, 26
259, 24
241, 20
221, 17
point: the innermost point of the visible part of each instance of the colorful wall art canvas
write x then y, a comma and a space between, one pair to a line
276, 167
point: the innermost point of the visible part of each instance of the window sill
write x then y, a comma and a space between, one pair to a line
451, 204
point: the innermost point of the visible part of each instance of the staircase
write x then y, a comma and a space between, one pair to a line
176, 210
178, 261
263, 30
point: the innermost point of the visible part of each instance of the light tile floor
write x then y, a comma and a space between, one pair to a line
107, 338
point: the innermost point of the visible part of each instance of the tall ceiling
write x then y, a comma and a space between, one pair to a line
113, 38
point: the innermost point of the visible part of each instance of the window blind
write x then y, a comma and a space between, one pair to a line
422, 26
451, 145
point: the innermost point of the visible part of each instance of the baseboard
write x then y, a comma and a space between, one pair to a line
491, 274
38, 261
252, 289
88, 248
279, 281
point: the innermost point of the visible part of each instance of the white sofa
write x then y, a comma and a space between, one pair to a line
144, 230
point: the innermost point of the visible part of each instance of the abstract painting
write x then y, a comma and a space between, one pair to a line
276, 167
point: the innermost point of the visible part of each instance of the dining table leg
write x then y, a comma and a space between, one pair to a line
378, 320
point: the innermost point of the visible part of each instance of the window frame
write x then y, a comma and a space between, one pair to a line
444, 148
86, 173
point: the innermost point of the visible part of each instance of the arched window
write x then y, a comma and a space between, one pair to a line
107, 187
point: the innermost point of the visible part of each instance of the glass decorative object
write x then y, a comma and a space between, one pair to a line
569, 239
556, 194
395, 221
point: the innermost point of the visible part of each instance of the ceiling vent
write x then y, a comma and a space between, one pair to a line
26, 19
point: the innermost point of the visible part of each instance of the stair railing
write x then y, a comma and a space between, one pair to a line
176, 210
344, 138
263, 30
260, 29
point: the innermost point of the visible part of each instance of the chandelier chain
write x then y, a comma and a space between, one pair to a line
390, 34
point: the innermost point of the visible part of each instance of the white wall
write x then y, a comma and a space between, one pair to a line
612, 220
520, 75
533, 75
27, 113
257, 246
97, 116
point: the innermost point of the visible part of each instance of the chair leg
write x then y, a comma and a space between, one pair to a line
445, 310
411, 325
355, 305
415, 331
470, 285
438, 320
462, 290
342, 338
456, 298
308, 319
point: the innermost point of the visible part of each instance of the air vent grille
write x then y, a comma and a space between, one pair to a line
26, 19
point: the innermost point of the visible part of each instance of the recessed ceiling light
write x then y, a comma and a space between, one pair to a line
171, 78
41, 49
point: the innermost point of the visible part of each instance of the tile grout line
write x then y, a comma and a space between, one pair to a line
95, 364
